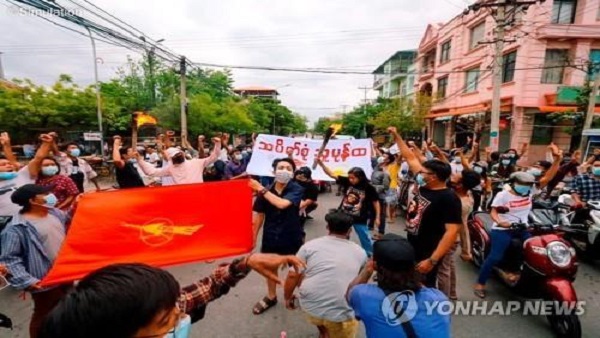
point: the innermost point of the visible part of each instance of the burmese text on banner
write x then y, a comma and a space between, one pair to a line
157, 226
339, 155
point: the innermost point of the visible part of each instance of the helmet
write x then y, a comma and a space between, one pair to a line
522, 177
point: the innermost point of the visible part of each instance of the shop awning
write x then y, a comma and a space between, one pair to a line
562, 109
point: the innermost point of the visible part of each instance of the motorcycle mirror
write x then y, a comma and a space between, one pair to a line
502, 210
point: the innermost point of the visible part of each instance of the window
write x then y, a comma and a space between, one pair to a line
595, 60
563, 11
508, 67
542, 130
445, 54
472, 80
554, 66
442, 86
477, 34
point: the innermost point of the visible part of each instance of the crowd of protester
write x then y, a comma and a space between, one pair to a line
435, 190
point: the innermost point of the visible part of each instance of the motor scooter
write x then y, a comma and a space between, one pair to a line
545, 263
585, 235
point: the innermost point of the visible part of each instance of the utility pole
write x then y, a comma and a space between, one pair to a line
497, 77
363, 133
152, 81
183, 100
98, 98
589, 117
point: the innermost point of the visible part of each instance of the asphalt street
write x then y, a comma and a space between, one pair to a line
231, 316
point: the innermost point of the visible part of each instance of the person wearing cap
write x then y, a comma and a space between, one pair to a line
332, 262
303, 177
30, 244
182, 170
434, 215
236, 167
518, 201
124, 159
398, 286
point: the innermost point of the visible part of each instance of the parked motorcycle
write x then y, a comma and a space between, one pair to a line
584, 237
547, 265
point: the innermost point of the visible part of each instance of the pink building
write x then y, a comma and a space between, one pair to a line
537, 80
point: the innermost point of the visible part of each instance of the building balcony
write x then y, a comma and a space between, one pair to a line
567, 31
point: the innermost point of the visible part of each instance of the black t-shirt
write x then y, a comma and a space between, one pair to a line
128, 176
358, 200
77, 175
311, 191
282, 228
428, 215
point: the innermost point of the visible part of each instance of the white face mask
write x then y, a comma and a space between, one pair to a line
238, 157
283, 176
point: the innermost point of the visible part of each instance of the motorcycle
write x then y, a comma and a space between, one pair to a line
584, 237
546, 262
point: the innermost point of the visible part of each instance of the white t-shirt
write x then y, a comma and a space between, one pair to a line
518, 208
457, 168
153, 159
7, 207
331, 264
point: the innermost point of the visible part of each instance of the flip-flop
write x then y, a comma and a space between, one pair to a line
480, 293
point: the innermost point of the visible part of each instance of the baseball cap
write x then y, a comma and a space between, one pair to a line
394, 253
523, 177
304, 171
173, 151
22, 195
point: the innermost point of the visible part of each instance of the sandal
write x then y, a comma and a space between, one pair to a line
480, 293
263, 305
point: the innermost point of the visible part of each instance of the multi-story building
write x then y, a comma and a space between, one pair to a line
396, 76
257, 91
455, 61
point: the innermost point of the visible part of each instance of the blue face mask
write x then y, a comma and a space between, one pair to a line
51, 201
132, 160
506, 163
596, 171
535, 172
478, 170
75, 152
420, 180
8, 175
522, 190
50, 171
182, 330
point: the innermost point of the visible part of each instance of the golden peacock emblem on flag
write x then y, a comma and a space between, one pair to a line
161, 231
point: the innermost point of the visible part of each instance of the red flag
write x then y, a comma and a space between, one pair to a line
157, 226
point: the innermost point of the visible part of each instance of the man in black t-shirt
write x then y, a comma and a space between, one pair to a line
127, 174
303, 177
434, 216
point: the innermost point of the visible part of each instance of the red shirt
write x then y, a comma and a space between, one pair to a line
62, 186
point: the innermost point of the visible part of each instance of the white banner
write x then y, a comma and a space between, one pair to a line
339, 155
95, 136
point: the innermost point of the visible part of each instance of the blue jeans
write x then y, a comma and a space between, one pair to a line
500, 241
362, 230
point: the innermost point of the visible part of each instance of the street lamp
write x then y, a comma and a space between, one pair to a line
98, 98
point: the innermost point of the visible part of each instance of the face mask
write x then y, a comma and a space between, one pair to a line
596, 171
75, 152
244, 153
511, 155
51, 201
178, 159
131, 160
421, 181
457, 159
522, 190
8, 175
238, 157
380, 160
50, 171
535, 172
182, 330
506, 163
283, 176
478, 170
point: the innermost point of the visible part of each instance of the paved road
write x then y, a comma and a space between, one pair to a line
231, 316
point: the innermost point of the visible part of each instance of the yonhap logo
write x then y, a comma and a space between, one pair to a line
399, 307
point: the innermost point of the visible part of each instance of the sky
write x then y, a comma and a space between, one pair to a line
343, 34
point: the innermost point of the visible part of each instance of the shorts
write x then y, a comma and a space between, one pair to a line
281, 250
347, 329
391, 197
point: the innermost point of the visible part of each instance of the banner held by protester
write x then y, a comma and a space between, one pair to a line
339, 155
159, 226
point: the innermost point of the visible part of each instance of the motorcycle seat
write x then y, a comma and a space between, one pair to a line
485, 219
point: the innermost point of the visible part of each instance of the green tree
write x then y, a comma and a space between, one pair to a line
406, 114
